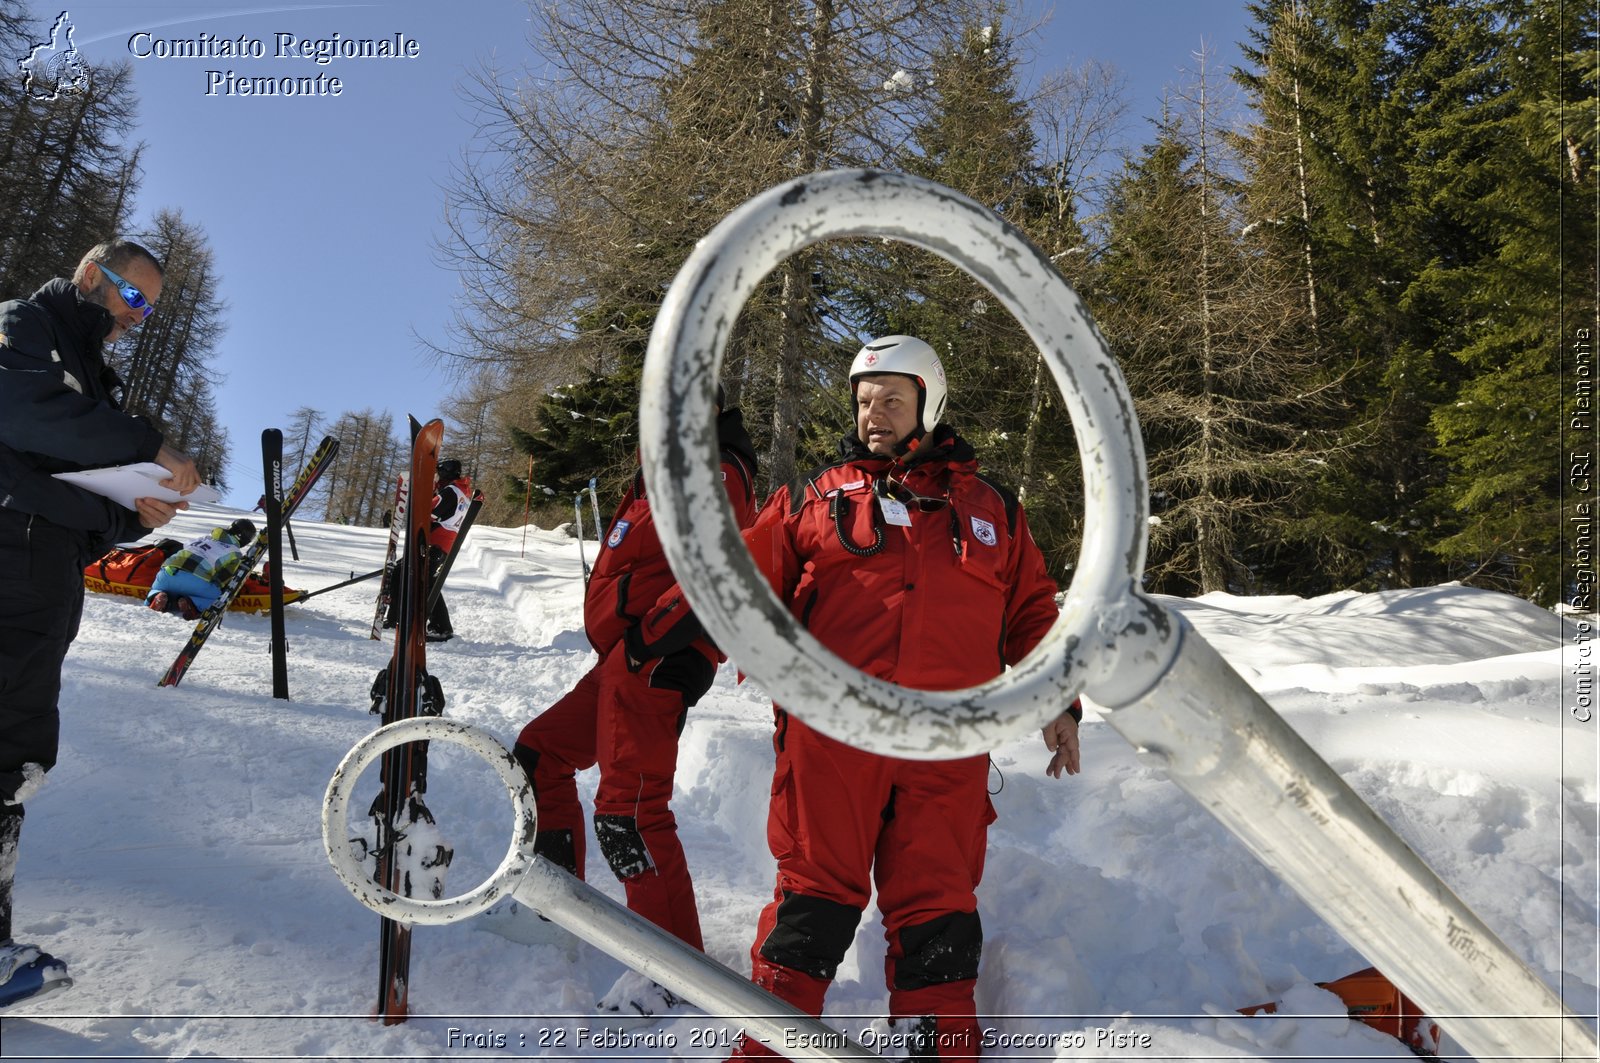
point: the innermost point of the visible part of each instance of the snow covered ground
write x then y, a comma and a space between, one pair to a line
174, 858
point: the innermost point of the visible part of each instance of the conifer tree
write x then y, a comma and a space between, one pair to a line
1366, 90
1529, 183
359, 488
178, 344
978, 138
592, 192
300, 435
1212, 334
582, 431
67, 168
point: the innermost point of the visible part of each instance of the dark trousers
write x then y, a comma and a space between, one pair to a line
439, 615
41, 603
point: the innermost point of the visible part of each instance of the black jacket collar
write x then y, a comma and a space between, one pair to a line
942, 444
732, 435
87, 323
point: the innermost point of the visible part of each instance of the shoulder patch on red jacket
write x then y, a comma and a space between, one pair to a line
1007, 497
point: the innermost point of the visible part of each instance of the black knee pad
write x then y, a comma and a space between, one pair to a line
688, 672
528, 758
622, 846
945, 949
811, 935
558, 847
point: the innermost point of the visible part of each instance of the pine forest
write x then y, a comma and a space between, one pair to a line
1348, 281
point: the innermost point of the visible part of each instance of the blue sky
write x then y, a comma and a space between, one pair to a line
324, 211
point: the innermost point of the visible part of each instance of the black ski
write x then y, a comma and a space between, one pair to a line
272, 505
209, 620
403, 690
397, 521
288, 529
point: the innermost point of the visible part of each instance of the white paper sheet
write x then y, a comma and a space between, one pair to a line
124, 483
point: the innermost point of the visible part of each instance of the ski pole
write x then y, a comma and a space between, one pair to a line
577, 512
594, 506
342, 583
527, 506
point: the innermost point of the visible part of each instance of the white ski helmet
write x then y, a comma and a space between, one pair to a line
906, 356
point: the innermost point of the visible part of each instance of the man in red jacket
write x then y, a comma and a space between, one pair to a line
627, 716
911, 565
453, 497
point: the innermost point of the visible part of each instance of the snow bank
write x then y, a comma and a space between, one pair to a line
174, 859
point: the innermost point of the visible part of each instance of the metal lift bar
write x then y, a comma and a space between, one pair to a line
1169, 692
569, 902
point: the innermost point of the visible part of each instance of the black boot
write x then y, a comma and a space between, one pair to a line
917, 1038
558, 847
25, 970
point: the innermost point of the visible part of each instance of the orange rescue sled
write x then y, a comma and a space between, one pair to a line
1376, 1001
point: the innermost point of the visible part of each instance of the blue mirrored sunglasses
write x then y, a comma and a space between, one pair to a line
130, 295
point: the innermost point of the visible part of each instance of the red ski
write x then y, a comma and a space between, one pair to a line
408, 850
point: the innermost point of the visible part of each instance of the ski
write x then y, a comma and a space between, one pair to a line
288, 529
272, 505
397, 520
410, 854
320, 460
437, 589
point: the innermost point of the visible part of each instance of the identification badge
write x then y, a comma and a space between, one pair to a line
894, 511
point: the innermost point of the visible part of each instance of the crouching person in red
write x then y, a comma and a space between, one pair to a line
909, 564
626, 715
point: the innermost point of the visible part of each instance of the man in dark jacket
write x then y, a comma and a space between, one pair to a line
60, 412
626, 716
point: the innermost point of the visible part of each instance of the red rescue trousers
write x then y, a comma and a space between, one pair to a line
616, 718
842, 819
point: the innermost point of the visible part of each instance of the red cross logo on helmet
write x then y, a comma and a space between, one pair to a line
907, 356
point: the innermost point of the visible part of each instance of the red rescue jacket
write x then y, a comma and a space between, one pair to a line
450, 507
944, 603
631, 571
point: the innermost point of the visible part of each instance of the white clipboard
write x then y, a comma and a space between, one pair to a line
124, 483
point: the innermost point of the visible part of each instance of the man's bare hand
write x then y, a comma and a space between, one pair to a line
185, 477
1061, 738
153, 512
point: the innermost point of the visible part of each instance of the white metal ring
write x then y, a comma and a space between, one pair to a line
356, 874
1103, 607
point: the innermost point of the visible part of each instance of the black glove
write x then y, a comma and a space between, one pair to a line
634, 649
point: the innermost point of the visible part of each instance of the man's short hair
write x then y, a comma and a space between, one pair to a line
115, 253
